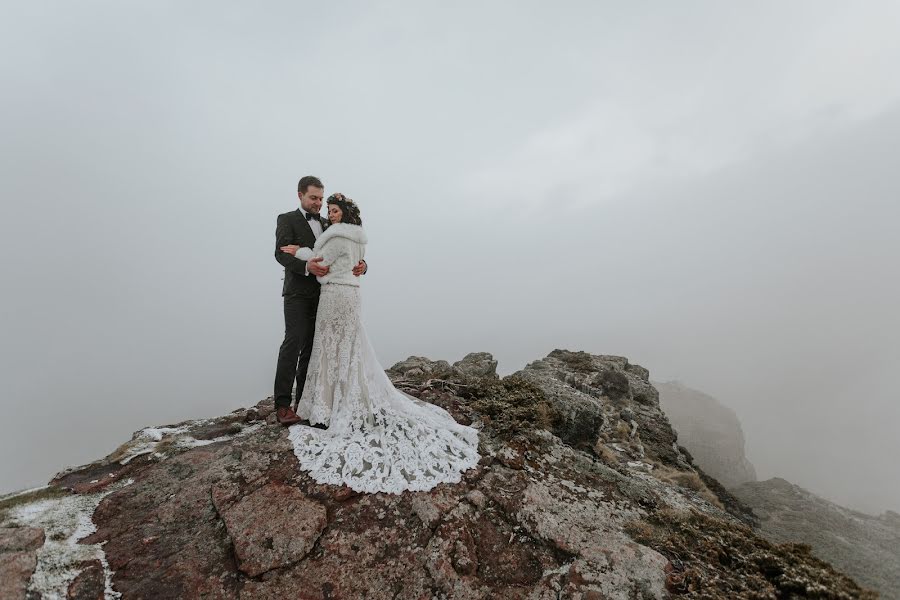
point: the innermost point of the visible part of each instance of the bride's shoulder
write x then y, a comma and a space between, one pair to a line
346, 231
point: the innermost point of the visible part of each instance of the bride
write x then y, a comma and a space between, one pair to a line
378, 439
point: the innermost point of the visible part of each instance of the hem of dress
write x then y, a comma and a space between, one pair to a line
457, 476
412, 488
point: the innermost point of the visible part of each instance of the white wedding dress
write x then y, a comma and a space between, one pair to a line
378, 438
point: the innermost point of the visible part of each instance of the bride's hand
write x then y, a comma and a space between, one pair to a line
292, 250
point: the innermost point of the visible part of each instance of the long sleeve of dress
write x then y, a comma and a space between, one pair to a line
333, 250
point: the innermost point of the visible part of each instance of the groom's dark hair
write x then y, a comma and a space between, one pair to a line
306, 182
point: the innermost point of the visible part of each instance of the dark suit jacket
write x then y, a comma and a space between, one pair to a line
293, 228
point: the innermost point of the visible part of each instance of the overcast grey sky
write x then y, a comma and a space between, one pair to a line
710, 189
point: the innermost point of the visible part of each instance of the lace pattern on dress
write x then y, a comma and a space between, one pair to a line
378, 438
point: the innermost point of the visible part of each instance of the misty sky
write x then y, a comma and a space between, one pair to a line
710, 189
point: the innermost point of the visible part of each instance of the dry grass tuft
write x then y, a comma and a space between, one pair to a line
689, 480
606, 454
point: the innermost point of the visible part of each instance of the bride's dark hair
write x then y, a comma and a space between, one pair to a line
349, 209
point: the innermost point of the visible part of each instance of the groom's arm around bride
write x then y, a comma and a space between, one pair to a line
287, 234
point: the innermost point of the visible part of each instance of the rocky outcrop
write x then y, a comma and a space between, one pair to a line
257, 530
606, 399
18, 558
865, 546
474, 365
582, 492
709, 430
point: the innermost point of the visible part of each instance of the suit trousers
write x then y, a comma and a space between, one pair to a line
293, 357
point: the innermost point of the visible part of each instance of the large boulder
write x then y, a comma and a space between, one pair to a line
18, 559
419, 367
477, 364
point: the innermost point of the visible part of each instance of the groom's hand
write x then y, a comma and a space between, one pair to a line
360, 268
315, 268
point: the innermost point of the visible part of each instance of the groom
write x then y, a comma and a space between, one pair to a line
301, 228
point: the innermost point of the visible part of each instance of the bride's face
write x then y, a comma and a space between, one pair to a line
335, 214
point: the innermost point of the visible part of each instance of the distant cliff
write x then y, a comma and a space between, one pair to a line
582, 493
709, 430
864, 545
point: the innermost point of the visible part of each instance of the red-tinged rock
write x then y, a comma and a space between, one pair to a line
464, 555
264, 408
476, 498
20, 539
95, 485
274, 526
512, 455
372, 548
344, 493
93, 477
432, 506
90, 584
16, 569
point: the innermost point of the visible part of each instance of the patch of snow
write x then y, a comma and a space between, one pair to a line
65, 521
191, 442
148, 439
157, 433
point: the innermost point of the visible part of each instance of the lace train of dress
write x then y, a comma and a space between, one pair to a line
378, 438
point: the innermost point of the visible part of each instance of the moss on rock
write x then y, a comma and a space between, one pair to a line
715, 559
510, 405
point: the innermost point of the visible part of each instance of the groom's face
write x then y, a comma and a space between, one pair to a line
311, 199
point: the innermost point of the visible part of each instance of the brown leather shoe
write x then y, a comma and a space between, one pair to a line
286, 415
